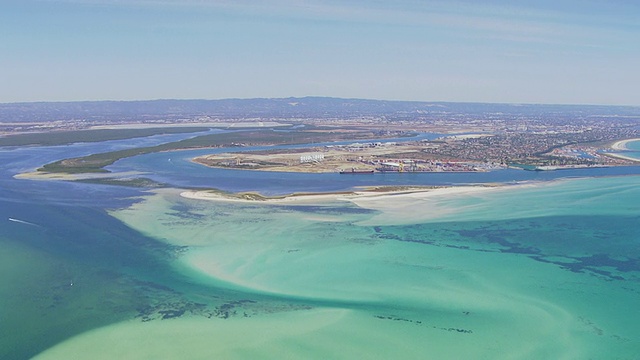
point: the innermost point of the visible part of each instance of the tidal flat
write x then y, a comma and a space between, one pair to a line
534, 271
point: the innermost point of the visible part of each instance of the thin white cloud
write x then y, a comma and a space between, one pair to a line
492, 22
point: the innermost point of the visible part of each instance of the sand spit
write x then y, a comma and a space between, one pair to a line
397, 206
44, 175
385, 194
624, 157
38, 175
411, 205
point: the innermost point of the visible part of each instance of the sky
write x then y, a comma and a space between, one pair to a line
516, 51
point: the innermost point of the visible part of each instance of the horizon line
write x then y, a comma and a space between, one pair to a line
316, 97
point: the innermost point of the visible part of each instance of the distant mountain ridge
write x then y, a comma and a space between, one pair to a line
283, 108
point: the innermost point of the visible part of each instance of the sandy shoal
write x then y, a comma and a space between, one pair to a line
43, 175
288, 199
395, 198
37, 175
421, 206
395, 207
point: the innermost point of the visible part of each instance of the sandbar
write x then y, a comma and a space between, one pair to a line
398, 205
45, 175
373, 194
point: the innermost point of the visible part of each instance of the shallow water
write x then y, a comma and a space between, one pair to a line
634, 150
549, 278
547, 270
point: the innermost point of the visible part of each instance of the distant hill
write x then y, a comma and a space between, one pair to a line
287, 108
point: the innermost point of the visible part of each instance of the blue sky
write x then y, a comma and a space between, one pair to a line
575, 52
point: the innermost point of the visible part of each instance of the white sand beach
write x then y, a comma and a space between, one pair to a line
248, 198
404, 206
622, 144
359, 197
624, 157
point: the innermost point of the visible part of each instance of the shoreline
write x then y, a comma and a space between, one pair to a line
352, 196
622, 145
623, 157
46, 175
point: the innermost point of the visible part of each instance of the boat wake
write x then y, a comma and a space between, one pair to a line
23, 222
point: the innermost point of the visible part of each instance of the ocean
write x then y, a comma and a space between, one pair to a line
545, 267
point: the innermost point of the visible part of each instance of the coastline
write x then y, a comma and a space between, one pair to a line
622, 145
623, 157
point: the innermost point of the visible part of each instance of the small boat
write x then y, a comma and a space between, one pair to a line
22, 222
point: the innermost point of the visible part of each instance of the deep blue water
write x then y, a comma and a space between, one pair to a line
64, 235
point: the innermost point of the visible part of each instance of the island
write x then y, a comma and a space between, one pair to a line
348, 136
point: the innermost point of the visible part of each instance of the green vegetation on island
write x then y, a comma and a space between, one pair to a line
130, 182
95, 163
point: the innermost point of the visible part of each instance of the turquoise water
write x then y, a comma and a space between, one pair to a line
634, 149
544, 270
634, 145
